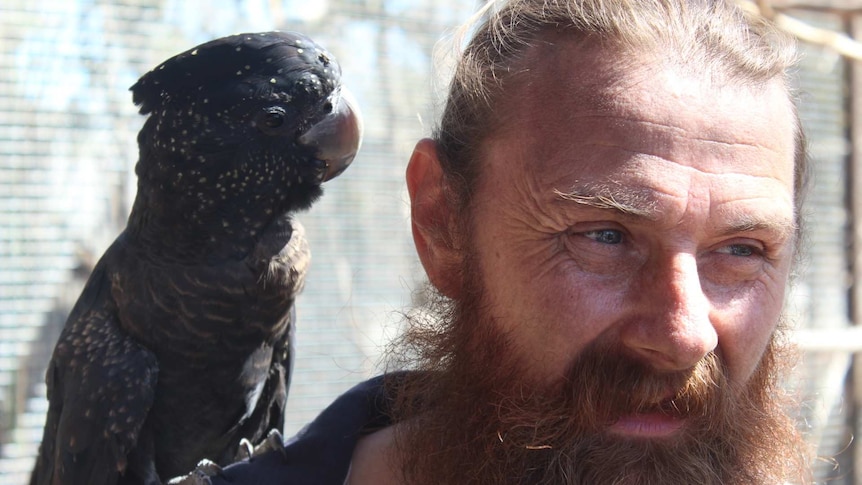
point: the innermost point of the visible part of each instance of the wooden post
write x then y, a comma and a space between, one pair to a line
854, 190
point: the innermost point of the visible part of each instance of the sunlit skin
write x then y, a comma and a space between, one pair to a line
658, 215
655, 214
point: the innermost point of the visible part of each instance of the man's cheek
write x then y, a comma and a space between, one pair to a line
743, 337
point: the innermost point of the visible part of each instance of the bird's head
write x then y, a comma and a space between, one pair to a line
243, 128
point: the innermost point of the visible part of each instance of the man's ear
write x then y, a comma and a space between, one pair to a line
432, 219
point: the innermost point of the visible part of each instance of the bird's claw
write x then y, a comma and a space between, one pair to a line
273, 441
200, 475
245, 450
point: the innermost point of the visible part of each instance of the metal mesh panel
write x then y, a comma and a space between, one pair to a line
67, 148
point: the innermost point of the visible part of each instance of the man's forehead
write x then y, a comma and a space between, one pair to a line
553, 94
603, 74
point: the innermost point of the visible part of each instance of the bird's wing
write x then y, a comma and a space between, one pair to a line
294, 258
101, 385
281, 258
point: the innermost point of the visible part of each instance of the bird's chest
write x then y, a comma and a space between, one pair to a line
204, 312
226, 387
203, 408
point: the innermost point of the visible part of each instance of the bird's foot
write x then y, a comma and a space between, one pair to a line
200, 476
273, 441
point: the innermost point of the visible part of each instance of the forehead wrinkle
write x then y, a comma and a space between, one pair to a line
686, 134
662, 147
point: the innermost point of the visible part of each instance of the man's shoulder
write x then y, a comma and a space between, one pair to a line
321, 452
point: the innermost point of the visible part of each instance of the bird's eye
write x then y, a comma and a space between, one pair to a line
273, 118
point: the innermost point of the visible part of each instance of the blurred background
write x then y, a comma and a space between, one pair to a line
67, 153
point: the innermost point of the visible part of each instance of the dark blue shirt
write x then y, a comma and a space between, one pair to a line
320, 454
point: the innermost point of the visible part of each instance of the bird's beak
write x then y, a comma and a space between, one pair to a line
336, 137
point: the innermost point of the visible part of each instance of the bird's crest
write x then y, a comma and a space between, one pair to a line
268, 56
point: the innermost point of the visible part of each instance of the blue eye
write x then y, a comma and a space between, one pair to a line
605, 236
741, 250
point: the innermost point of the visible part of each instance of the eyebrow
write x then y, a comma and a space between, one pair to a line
638, 203
626, 200
785, 228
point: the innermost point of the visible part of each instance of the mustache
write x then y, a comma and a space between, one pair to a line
604, 384
608, 382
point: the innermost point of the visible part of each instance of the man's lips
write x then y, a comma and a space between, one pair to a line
661, 420
647, 425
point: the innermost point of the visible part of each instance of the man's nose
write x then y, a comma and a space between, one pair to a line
671, 329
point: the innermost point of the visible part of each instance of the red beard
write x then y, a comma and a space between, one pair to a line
473, 417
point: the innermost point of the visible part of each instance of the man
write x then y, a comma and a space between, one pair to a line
608, 211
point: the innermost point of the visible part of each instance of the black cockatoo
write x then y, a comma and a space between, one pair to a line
181, 343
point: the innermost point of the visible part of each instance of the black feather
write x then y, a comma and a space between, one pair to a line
181, 342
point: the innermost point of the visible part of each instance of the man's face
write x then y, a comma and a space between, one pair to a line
654, 215
618, 284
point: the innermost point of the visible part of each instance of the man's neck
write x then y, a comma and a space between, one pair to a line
374, 460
